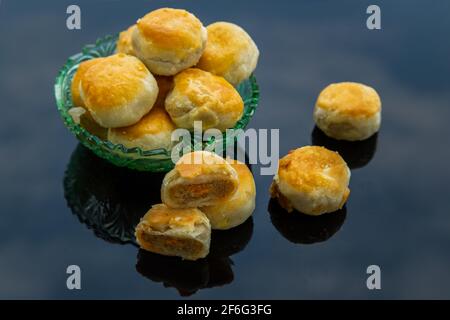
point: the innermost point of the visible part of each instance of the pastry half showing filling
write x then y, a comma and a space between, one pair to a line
348, 111
200, 178
185, 233
312, 180
232, 212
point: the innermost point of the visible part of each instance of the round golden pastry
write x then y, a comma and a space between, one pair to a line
232, 212
76, 80
169, 40
312, 180
79, 113
200, 178
118, 91
124, 44
198, 95
184, 233
348, 111
153, 131
230, 52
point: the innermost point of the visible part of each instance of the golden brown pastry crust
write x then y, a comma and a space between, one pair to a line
169, 40
124, 44
198, 95
230, 52
154, 122
348, 111
199, 178
172, 29
113, 81
232, 212
350, 98
282, 200
311, 179
161, 217
174, 232
118, 91
200, 163
153, 131
303, 169
79, 74
244, 174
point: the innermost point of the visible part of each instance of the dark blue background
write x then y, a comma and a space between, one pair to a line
398, 215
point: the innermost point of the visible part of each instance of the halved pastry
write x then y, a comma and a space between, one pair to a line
184, 233
200, 178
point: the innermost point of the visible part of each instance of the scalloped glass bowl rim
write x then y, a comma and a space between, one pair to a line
88, 52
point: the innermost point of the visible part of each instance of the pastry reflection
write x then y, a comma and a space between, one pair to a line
304, 229
108, 199
357, 154
190, 276
111, 200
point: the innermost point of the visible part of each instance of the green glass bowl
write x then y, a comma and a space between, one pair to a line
157, 160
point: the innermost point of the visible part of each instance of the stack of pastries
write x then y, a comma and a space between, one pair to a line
203, 192
169, 71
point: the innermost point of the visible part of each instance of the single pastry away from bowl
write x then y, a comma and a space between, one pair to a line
198, 95
312, 180
169, 40
348, 111
230, 52
184, 233
232, 212
200, 178
153, 131
124, 44
75, 85
118, 91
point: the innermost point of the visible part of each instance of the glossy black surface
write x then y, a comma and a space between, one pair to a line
397, 215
